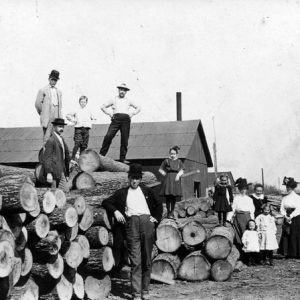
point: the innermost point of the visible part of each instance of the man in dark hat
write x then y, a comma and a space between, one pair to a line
56, 157
136, 211
48, 104
120, 115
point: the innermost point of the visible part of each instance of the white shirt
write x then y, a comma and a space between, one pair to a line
82, 117
54, 97
250, 241
136, 203
243, 203
61, 142
292, 200
121, 105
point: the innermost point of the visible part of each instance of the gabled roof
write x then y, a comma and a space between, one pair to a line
212, 179
149, 140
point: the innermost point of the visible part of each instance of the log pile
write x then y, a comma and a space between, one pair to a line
194, 247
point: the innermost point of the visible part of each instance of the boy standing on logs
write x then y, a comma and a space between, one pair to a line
48, 104
136, 211
120, 120
56, 157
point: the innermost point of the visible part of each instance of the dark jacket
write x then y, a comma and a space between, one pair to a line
118, 202
53, 161
258, 203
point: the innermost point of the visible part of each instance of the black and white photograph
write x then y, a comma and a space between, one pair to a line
150, 149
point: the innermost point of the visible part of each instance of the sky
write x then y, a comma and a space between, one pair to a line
235, 60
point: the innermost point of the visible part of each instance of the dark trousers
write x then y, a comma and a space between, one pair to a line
81, 140
119, 122
140, 239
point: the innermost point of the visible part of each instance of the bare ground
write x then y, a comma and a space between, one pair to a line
260, 282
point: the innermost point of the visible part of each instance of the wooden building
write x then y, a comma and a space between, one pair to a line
149, 144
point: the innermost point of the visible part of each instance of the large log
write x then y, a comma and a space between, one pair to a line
48, 202
87, 218
100, 260
166, 265
91, 161
29, 291
84, 180
63, 217
6, 235
194, 267
84, 244
78, 287
193, 232
17, 194
78, 202
39, 226
97, 289
70, 233
8, 170
97, 236
168, 236
221, 270
226, 231
7, 258
72, 254
100, 218
233, 256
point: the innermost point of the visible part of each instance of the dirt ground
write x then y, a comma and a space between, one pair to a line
257, 282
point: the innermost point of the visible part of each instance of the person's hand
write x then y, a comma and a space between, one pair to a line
49, 178
177, 178
153, 220
119, 217
131, 115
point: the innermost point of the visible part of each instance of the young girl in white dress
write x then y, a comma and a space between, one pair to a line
267, 229
250, 243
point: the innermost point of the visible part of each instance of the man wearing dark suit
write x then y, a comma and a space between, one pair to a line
136, 211
48, 104
56, 157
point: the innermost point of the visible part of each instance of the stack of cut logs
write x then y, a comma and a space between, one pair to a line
57, 245
192, 247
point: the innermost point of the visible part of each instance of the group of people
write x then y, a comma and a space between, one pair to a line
54, 155
255, 227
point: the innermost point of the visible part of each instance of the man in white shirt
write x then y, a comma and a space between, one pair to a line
136, 211
48, 104
121, 115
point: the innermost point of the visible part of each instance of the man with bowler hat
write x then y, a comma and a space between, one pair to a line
120, 115
48, 104
56, 158
136, 211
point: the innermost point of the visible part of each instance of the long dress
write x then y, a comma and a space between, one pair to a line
290, 239
170, 186
266, 227
222, 197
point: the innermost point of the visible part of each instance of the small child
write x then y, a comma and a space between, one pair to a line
267, 234
82, 119
251, 243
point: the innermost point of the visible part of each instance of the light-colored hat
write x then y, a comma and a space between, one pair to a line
123, 86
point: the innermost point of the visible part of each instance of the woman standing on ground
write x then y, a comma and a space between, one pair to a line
290, 209
259, 199
243, 210
172, 168
223, 198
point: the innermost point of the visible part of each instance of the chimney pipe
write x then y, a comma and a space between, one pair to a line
179, 108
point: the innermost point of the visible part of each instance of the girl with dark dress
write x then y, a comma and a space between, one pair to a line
223, 198
172, 168
290, 209
259, 199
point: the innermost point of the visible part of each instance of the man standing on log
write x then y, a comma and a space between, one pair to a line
48, 104
136, 211
121, 115
56, 157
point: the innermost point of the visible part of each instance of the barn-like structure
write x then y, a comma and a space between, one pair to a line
149, 145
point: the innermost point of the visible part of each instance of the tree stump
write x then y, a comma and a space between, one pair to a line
168, 236
166, 265
221, 270
194, 267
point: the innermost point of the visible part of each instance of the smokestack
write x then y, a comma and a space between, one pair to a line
179, 109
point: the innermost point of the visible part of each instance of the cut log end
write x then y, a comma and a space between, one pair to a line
6, 258
97, 289
28, 197
49, 202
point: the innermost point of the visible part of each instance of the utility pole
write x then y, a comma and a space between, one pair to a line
215, 149
262, 177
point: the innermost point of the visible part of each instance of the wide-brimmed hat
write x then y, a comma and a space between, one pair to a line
290, 182
135, 170
54, 75
241, 183
123, 86
59, 121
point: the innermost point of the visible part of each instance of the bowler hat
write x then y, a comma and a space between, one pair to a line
290, 182
241, 183
135, 170
54, 75
59, 121
123, 86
